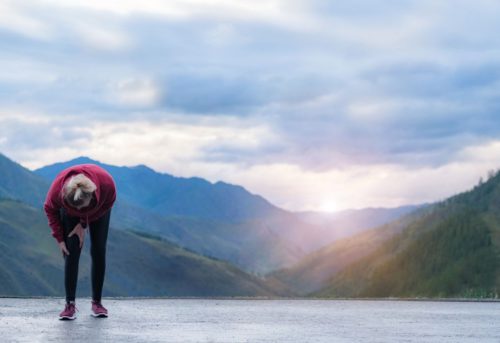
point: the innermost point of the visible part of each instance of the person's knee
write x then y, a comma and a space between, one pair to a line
73, 245
72, 259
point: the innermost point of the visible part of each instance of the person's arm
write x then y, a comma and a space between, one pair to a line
108, 195
51, 208
54, 222
110, 199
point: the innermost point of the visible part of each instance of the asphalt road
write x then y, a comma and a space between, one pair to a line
229, 320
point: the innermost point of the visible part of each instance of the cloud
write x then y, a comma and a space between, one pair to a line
102, 38
281, 96
136, 92
275, 12
32, 137
15, 18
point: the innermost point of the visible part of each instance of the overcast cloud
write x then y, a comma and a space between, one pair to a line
312, 104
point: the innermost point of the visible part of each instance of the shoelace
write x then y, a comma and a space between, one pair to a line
99, 306
69, 305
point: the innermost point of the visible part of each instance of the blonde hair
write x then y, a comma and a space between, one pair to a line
78, 190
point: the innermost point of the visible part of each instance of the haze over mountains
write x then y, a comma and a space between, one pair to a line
349, 222
449, 249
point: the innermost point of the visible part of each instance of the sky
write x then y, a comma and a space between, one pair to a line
315, 105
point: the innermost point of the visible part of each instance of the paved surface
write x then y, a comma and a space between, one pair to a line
219, 320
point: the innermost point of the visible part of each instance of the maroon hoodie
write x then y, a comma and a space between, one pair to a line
104, 197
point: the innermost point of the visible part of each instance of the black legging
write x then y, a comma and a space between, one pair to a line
98, 236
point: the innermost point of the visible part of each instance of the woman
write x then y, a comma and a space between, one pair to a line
81, 197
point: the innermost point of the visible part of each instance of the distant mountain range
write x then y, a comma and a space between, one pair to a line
220, 220
140, 264
194, 230
167, 195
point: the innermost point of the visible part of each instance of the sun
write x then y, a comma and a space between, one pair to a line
328, 206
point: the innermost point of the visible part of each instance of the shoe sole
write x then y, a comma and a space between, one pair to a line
67, 318
102, 315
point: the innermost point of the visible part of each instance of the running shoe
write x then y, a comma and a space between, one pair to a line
69, 312
98, 310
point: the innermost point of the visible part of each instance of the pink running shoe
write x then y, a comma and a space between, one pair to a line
98, 310
69, 312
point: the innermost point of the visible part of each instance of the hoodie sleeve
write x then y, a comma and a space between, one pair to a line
108, 189
111, 197
52, 206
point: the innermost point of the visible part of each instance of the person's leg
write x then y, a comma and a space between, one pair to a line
98, 237
70, 261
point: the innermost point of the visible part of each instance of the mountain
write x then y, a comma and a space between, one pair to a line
168, 195
454, 250
233, 242
314, 271
220, 220
449, 249
17, 182
137, 265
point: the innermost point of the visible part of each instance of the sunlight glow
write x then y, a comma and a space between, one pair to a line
329, 206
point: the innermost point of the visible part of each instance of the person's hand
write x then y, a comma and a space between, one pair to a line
63, 248
80, 232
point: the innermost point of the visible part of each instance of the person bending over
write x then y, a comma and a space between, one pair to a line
80, 199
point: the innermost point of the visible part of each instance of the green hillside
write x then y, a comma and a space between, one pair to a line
138, 265
453, 250
233, 242
17, 182
314, 271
